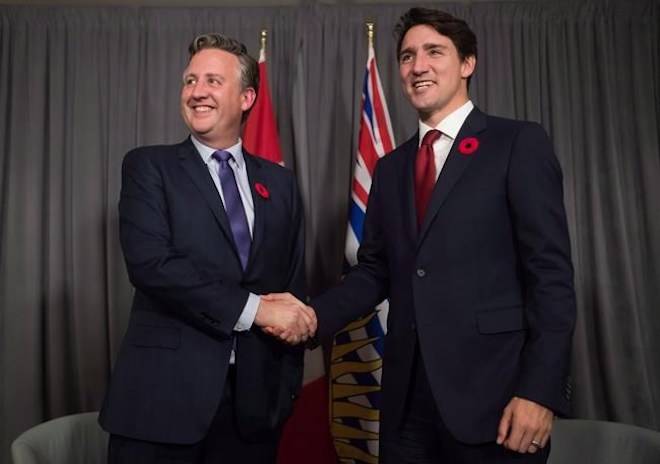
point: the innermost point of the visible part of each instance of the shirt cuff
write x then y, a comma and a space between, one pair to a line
249, 312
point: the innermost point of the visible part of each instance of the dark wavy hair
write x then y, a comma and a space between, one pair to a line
456, 29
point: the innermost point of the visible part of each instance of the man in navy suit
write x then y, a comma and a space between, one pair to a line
206, 229
466, 234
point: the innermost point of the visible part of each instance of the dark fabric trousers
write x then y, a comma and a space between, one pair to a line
423, 437
222, 444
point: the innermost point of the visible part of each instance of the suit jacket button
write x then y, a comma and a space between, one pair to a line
421, 272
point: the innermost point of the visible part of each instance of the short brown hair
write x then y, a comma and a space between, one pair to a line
249, 66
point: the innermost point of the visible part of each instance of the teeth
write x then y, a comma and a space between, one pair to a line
421, 84
202, 109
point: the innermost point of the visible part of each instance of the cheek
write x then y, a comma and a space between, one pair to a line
185, 94
449, 77
404, 72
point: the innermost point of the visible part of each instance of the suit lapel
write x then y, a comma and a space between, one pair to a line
256, 176
453, 169
198, 172
408, 187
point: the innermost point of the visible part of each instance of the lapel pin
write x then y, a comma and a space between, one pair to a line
262, 190
468, 146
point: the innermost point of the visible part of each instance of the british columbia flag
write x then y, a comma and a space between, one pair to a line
356, 360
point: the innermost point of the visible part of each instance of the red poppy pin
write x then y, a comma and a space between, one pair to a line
262, 190
468, 145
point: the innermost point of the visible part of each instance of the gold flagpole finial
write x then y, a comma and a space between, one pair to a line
264, 34
370, 32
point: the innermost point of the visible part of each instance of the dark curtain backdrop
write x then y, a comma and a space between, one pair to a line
81, 86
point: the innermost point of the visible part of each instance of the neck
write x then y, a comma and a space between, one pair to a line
434, 118
219, 143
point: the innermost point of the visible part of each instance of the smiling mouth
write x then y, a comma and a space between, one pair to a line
202, 109
420, 85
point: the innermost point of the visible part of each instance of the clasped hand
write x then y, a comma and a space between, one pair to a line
286, 317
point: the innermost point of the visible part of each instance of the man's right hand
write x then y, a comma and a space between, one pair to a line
284, 316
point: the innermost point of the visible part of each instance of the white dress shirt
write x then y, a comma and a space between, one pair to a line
449, 126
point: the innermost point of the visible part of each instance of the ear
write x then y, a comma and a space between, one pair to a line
248, 97
467, 66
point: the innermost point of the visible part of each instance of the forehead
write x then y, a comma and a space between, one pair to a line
423, 34
213, 61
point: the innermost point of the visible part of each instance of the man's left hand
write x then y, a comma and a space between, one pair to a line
525, 426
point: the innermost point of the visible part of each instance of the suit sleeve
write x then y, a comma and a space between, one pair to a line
156, 267
367, 283
539, 221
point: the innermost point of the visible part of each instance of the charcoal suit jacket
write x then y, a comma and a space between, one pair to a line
484, 288
190, 290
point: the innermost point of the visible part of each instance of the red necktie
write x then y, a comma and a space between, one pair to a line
425, 173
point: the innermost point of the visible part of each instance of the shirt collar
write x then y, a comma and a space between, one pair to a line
451, 124
206, 152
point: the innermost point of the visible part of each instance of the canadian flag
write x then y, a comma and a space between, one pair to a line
306, 436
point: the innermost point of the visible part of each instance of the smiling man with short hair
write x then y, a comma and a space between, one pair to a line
466, 234
206, 229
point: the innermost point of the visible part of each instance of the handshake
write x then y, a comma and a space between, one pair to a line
284, 316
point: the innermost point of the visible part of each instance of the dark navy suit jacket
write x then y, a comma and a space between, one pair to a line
190, 289
485, 286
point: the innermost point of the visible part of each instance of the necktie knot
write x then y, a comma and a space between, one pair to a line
222, 156
431, 136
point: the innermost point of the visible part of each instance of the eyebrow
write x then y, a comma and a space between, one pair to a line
428, 46
217, 76
191, 74
425, 46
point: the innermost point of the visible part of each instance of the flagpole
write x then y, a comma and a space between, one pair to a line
370, 33
263, 36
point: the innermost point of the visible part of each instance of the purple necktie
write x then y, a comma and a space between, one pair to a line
234, 206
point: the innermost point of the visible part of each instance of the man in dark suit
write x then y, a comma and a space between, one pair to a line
466, 234
206, 228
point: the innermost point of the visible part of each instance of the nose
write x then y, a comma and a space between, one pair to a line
198, 89
420, 64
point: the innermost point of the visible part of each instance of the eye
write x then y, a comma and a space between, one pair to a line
189, 80
405, 58
213, 81
435, 52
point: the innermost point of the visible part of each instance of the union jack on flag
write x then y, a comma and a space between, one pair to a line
356, 360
